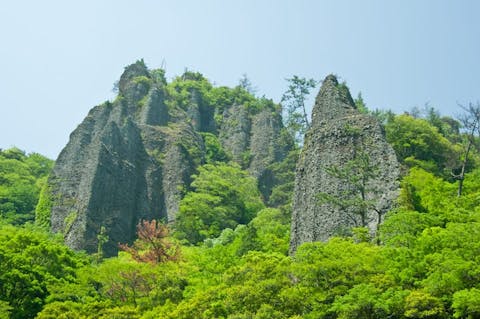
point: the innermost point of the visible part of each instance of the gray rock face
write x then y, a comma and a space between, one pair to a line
235, 133
265, 149
133, 159
253, 142
122, 164
338, 139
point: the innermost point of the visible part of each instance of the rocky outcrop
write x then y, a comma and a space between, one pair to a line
347, 173
133, 158
122, 164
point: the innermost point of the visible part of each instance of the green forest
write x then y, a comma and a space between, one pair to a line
227, 254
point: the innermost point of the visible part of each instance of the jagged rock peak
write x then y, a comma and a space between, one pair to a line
333, 100
332, 162
133, 70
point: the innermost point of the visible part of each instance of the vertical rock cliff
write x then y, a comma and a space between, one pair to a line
254, 141
133, 158
122, 164
347, 173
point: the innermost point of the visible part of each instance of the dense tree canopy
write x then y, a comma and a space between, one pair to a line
31, 262
21, 178
223, 196
415, 139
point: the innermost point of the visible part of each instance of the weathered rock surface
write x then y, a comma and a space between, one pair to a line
235, 133
122, 164
253, 141
133, 159
340, 133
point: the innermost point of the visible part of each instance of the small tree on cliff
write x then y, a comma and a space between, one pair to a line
293, 100
356, 176
471, 125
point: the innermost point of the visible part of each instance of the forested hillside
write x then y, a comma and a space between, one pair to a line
226, 254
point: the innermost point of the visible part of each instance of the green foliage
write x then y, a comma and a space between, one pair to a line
415, 141
272, 230
284, 179
360, 104
466, 303
5, 310
21, 178
32, 261
383, 116
447, 126
181, 88
193, 89
367, 301
246, 84
142, 80
44, 206
68, 222
158, 76
420, 304
214, 151
293, 100
102, 239
223, 97
426, 267
123, 281
424, 192
402, 227
223, 196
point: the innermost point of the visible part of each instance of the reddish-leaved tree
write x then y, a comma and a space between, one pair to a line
152, 244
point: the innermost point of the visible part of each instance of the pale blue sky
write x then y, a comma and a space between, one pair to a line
60, 58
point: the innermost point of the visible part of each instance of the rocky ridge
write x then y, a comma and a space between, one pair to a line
133, 158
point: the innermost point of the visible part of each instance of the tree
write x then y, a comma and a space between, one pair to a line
296, 118
420, 304
418, 143
5, 310
152, 244
360, 104
362, 302
466, 303
102, 239
359, 196
246, 84
223, 196
471, 125
31, 262
214, 151
355, 175
21, 178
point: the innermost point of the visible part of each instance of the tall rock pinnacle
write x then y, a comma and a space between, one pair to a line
347, 173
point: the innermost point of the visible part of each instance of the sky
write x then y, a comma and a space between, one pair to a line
58, 59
